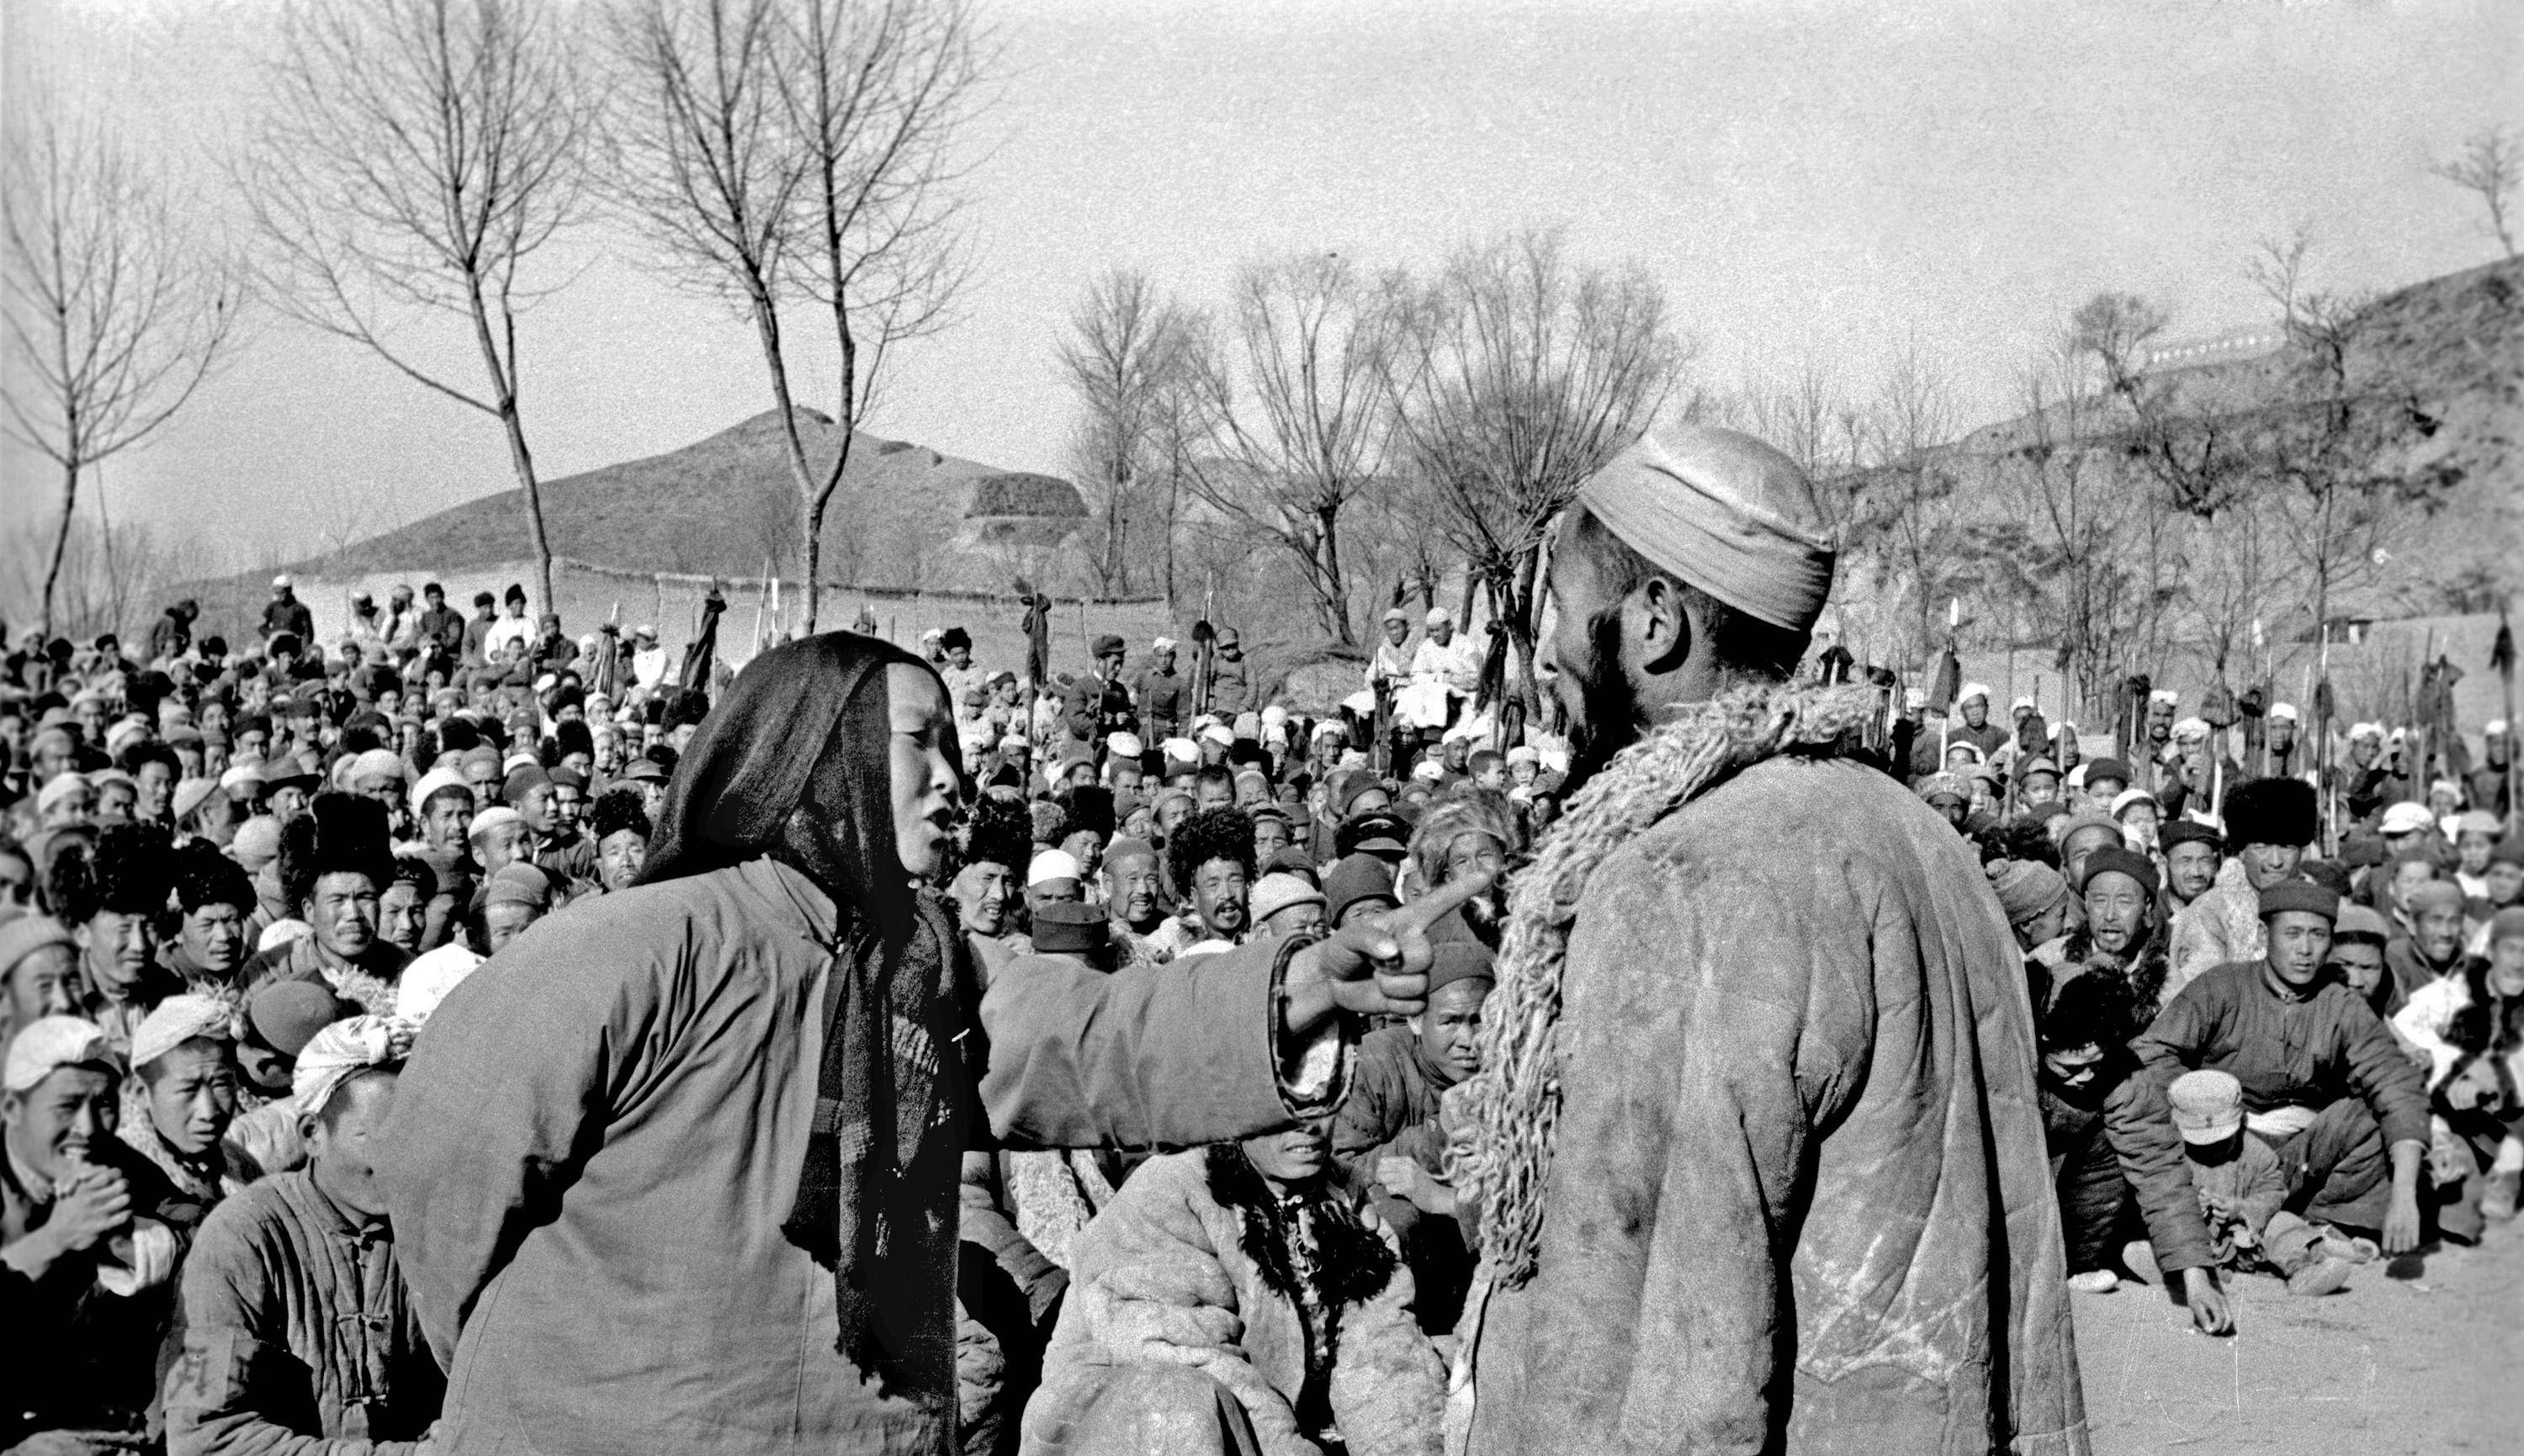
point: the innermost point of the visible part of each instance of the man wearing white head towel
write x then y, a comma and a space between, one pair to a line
1755, 1151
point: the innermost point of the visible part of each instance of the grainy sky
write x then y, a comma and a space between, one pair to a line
1811, 181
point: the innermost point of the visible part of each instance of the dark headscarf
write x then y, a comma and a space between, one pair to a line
795, 764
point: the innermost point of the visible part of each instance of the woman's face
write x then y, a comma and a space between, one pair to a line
922, 770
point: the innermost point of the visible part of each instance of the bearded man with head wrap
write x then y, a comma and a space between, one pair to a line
1754, 1144
678, 1169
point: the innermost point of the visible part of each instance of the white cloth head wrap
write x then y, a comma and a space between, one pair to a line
429, 977
338, 1051
177, 1020
1697, 501
48, 1043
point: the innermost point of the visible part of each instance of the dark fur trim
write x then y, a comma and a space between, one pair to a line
1356, 1264
338, 834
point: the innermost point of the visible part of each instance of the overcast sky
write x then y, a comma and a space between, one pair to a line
1809, 181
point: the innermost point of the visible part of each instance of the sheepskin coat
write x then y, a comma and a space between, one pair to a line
1167, 1274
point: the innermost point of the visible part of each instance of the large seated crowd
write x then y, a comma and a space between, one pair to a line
2278, 1001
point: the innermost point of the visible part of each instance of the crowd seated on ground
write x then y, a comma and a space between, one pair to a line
2279, 1037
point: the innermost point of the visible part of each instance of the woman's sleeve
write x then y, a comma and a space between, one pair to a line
1388, 1389
1170, 1055
507, 1093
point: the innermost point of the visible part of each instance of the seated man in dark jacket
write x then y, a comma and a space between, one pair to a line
1386, 1141
2324, 1086
298, 1326
90, 1235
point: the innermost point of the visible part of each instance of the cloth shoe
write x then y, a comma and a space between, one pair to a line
2139, 1257
2338, 1246
2095, 1282
2328, 1275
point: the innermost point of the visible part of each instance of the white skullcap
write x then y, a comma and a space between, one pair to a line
1703, 504
429, 977
1429, 770
377, 764
491, 819
1274, 893
177, 1020
2496, 726
281, 932
1218, 733
1972, 691
2191, 728
48, 1043
1180, 750
2366, 730
2406, 817
1014, 743
1124, 745
2283, 711
1163, 645
1051, 865
1328, 728
125, 734
281, 581
934, 634
2127, 797
1523, 754
2024, 703
336, 1053
434, 781
1439, 616
2165, 696
1274, 715
59, 787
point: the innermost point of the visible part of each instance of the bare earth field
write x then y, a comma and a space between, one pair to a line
2418, 1367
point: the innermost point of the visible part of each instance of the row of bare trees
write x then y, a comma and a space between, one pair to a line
419, 159
1373, 431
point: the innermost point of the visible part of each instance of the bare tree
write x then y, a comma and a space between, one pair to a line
416, 155
1519, 375
701, 159
2490, 164
1297, 429
1899, 511
1125, 358
877, 91
117, 307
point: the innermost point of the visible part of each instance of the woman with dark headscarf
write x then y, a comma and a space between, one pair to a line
677, 1170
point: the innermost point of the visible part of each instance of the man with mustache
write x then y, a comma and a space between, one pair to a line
1755, 1149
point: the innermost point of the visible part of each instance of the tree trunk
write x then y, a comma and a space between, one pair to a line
802, 471
1336, 593
504, 387
61, 541
847, 419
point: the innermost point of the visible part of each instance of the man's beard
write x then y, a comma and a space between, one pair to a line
1610, 719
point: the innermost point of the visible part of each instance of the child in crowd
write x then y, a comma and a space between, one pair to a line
2241, 1189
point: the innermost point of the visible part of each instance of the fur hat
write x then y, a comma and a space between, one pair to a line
206, 877
130, 870
2269, 811
339, 833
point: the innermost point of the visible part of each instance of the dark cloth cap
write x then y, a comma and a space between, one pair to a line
1378, 831
1106, 645
2126, 861
2299, 895
2184, 832
2108, 768
286, 1015
1065, 928
1360, 877
1288, 861
1459, 960
2270, 811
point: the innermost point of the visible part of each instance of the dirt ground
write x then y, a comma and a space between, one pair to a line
2419, 1366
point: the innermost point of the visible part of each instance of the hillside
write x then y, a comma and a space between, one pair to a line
2436, 370
904, 517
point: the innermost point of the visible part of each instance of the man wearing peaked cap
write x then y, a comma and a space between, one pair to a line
1655, 1192
2324, 1085
2269, 824
1159, 692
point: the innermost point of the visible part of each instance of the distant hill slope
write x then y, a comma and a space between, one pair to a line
2438, 371
904, 517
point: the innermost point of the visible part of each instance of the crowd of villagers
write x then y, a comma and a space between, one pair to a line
238, 882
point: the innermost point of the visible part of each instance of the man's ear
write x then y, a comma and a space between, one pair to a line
1657, 626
